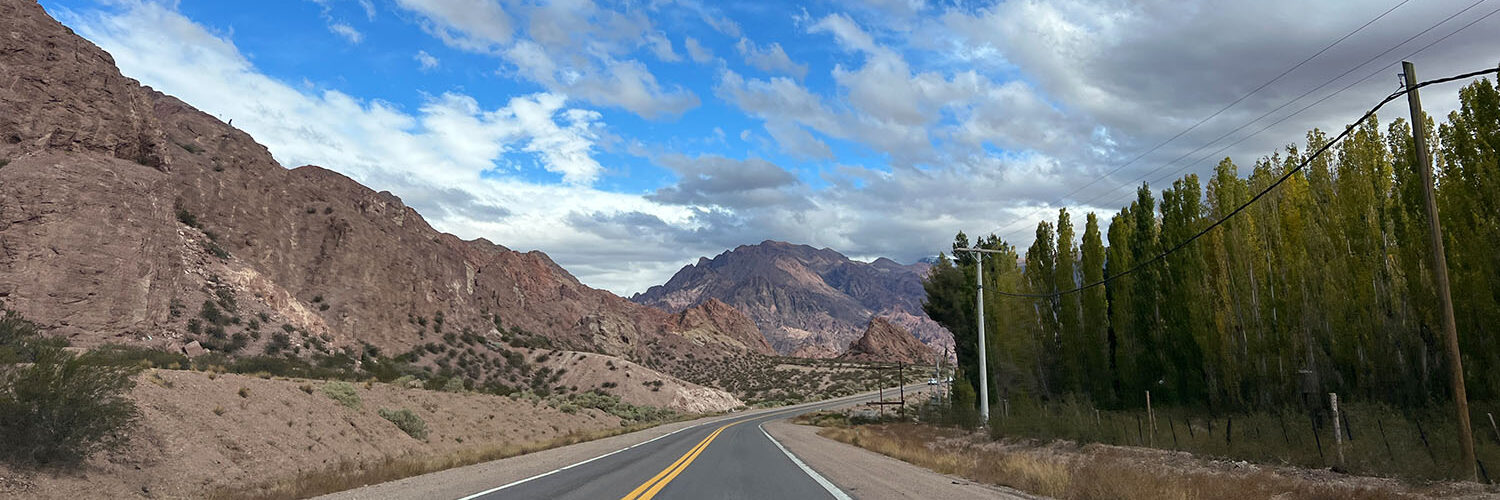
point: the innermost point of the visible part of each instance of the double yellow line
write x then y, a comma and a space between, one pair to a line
651, 487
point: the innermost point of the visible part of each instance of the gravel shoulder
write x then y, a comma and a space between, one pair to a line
867, 475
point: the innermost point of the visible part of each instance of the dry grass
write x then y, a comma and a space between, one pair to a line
353, 474
1091, 472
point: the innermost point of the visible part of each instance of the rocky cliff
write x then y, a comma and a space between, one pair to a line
805, 301
126, 215
886, 342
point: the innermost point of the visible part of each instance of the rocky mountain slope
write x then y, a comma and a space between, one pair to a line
127, 216
806, 302
886, 342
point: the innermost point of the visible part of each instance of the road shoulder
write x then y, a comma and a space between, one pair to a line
867, 475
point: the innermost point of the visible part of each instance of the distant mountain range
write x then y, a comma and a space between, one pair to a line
806, 301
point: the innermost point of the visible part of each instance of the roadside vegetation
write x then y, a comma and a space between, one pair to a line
1239, 339
1095, 471
58, 408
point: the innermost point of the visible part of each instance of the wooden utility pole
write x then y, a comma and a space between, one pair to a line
1440, 270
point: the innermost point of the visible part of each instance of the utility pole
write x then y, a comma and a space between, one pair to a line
984, 372
1440, 269
984, 369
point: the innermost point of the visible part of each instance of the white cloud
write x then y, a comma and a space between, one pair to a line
346, 31
476, 25
427, 61
573, 48
771, 58
697, 51
662, 47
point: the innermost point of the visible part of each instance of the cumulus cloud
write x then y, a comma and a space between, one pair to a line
770, 58
425, 60
573, 48
713, 180
475, 25
697, 51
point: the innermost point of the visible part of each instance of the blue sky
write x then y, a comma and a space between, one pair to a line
627, 139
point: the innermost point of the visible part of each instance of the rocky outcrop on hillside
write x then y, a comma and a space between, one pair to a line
125, 212
886, 342
715, 321
806, 302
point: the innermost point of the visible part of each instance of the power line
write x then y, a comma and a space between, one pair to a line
1320, 101
1178, 171
1258, 118
1289, 173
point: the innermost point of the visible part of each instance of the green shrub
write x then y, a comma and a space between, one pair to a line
114, 354
62, 408
20, 342
406, 420
343, 393
455, 384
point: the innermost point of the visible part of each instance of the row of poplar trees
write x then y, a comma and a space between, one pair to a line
1324, 285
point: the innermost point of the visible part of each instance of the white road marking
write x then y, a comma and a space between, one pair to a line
822, 481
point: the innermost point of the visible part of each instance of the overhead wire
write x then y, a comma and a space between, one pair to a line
1258, 118
1373, 74
1261, 194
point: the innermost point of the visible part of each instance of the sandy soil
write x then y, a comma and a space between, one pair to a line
197, 433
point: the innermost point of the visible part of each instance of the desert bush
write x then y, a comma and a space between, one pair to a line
62, 408
406, 420
455, 384
343, 393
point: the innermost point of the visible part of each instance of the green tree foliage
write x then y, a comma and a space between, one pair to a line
1324, 285
57, 407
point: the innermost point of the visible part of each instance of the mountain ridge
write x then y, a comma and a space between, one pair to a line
806, 301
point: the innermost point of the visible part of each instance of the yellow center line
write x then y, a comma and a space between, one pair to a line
672, 470
649, 489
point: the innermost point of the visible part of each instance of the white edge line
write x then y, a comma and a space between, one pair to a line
560, 469
822, 481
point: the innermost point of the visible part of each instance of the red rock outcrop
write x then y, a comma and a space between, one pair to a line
886, 342
715, 321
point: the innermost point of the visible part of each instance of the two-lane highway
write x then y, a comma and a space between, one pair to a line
725, 458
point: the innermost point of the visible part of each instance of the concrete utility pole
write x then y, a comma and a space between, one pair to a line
984, 372
1440, 270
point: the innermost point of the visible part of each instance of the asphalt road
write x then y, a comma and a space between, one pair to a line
729, 458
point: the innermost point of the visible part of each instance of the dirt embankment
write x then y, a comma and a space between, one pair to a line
636, 384
200, 431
